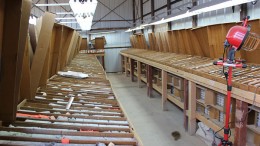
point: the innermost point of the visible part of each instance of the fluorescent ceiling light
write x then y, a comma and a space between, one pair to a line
54, 4
136, 28
84, 12
65, 18
64, 13
105, 32
129, 30
189, 13
69, 22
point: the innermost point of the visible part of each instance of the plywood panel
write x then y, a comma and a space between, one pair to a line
159, 42
155, 48
168, 36
56, 49
196, 47
48, 61
180, 42
216, 36
187, 42
202, 37
41, 51
73, 47
84, 44
174, 42
14, 32
151, 42
25, 88
33, 39
99, 43
164, 41
65, 40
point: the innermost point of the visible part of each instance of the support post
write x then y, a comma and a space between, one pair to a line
186, 104
139, 73
125, 65
195, 17
132, 75
192, 108
241, 122
169, 13
103, 61
243, 11
122, 64
152, 13
134, 12
142, 13
164, 90
149, 80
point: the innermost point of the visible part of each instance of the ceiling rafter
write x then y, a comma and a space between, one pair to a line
111, 10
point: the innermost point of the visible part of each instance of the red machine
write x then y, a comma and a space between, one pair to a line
238, 37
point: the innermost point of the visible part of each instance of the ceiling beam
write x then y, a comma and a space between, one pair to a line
111, 10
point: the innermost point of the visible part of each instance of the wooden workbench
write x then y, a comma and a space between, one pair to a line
196, 72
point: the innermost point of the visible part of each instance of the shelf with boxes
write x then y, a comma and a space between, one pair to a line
135, 67
157, 79
123, 63
175, 89
210, 108
204, 75
143, 72
253, 123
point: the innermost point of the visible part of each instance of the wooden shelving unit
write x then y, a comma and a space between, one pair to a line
188, 54
209, 92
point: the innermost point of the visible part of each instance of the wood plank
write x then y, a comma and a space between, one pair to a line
241, 122
132, 69
164, 89
20, 138
63, 132
192, 108
16, 16
41, 51
25, 88
186, 104
72, 127
139, 74
33, 39
76, 116
149, 80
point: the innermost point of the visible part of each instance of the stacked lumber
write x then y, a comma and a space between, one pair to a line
93, 117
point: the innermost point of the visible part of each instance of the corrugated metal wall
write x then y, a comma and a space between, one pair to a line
214, 17
112, 56
122, 10
119, 38
113, 60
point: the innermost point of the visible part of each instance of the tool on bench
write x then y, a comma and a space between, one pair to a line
238, 37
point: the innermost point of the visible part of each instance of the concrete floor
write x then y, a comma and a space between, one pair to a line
152, 125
